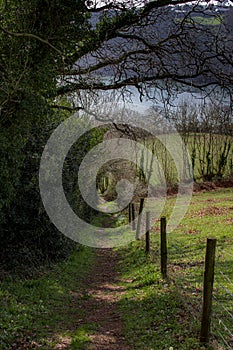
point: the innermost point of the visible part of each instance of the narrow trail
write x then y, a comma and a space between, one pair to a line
100, 306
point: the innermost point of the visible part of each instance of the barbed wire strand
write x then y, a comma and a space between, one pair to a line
221, 278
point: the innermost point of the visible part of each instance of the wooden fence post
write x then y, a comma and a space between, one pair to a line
139, 218
163, 246
208, 289
133, 216
129, 212
147, 232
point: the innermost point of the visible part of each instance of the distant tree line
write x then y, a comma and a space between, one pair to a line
207, 133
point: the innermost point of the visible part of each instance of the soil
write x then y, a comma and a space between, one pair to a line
203, 186
212, 186
103, 292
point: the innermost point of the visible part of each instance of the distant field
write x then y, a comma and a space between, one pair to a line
207, 21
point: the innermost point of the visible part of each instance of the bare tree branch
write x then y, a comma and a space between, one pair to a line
134, 81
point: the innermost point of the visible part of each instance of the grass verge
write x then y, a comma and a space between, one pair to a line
165, 314
38, 312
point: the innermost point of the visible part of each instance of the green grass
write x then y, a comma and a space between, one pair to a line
203, 20
160, 314
37, 312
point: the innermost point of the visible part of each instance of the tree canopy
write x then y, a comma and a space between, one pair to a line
86, 46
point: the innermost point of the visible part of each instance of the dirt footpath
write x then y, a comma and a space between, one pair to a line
100, 306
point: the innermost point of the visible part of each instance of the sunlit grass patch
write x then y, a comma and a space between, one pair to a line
161, 314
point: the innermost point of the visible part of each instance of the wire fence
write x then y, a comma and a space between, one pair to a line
186, 267
222, 317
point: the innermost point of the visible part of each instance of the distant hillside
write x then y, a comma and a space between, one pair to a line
199, 25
